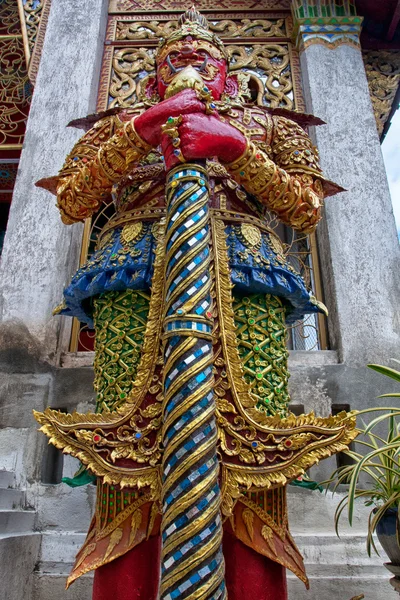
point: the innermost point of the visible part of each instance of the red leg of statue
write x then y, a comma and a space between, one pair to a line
251, 575
133, 576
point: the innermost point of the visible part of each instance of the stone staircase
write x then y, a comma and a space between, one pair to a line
35, 565
14, 517
334, 568
19, 543
338, 568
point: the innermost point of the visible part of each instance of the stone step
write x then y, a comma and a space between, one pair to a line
7, 479
11, 499
340, 588
48, 586
349, 551
16, 521
338, 569
57, 557
59, 549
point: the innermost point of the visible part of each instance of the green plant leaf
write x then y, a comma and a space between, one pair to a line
338, 512
370, 539
378, 462
390, 415
392, 373
355, 475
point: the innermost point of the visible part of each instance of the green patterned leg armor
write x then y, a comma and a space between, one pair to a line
120, 322
261, 335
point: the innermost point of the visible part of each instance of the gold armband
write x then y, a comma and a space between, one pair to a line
134, 138
291, 198
254, 170
82, 189
122, 150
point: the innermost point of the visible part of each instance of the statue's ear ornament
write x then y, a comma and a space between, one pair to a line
237, 87
147, 90
231, 89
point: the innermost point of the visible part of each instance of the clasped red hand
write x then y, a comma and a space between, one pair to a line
148, 124
203, 136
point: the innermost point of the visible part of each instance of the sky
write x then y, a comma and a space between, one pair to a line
391, 155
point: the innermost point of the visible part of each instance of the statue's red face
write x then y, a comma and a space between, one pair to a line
199, 54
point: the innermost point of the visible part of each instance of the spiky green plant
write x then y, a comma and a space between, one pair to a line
379, 466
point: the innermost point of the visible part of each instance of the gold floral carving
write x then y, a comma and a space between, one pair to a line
15, 89
131, 232
278, 525
277, 245
103, 545
227, 28
268, 536
294, 555
154, 512
9, 19
115, 538
32, 14
129, 65
250, 28
87, 551
38, 36
135, 524
269, 67
248, 518
251, 234
25, 20
273, 532
116, 6
383, 75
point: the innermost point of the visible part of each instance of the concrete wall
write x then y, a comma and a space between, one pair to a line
40, 253
357, 239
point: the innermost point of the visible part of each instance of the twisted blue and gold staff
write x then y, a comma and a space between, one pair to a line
191, 525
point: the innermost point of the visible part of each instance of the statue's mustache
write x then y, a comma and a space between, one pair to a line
182, 64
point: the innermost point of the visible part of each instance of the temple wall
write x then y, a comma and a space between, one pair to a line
357, 239
40, 253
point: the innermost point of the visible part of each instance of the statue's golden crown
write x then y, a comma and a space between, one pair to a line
195, 25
